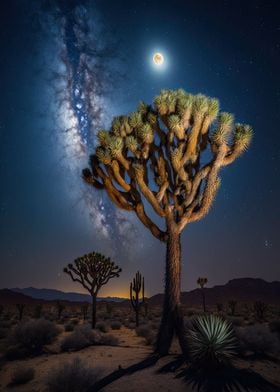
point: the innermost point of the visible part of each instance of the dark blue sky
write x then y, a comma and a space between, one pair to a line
228, 50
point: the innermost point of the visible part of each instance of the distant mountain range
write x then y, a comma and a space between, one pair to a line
57, 295
242, 290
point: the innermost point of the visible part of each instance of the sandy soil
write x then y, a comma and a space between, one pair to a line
131, 350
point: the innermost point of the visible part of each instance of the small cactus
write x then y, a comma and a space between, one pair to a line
137, 286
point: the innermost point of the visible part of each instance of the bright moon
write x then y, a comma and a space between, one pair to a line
158, 59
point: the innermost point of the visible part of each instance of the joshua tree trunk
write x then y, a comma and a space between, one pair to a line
93, 314
172, 322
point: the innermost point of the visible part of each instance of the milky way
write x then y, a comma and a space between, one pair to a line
81, 78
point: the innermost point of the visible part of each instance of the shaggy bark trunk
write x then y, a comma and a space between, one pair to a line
93, 314
172, 322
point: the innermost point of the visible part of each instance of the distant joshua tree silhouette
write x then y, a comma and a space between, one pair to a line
59, 307
137, 288
20, 308
232, 306
202, 282
38, 311
92, 271
260, 307
168, 155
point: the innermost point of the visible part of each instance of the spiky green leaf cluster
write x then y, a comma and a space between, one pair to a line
131, 143
115, 145
145, 133
200, 105
211, 341
103, 137
103, 155
225, 121
242, 136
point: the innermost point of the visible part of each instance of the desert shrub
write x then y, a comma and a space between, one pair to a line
109, 340
143, 331
74, 342
220, 307
22, 375
257, 339
92, 335
211, 341
102, 327
130, 325
235, 321
72, 376
82, 337
69, 327
232, 307
33, 335
116, 325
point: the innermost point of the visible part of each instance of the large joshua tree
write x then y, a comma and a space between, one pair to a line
168, 155
92, 271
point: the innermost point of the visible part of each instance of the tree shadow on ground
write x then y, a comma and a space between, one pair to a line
227, 379
147, 362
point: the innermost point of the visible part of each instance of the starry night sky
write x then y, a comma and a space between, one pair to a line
68, 67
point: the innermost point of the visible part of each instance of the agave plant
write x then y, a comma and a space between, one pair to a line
211, 341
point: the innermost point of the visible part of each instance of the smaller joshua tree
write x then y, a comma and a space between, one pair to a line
92, 271
260, 308
202, 282
137, 286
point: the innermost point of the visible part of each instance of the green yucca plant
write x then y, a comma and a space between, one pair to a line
211, 341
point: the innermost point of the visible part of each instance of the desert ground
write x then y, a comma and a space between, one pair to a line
116, 345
